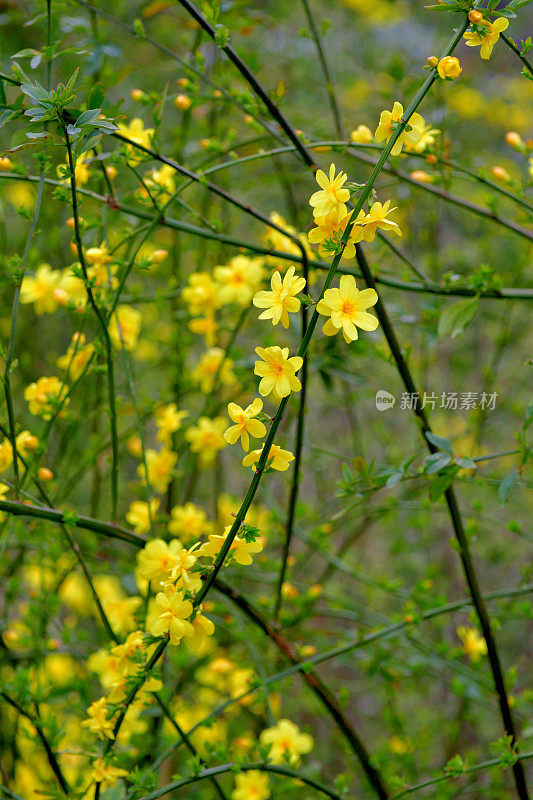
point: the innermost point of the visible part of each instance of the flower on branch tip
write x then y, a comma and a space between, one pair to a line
449, 67
286, 742
389, 121
331, 192
278, 458
346, 308
278, 371
486, 34
282, 299
246, 424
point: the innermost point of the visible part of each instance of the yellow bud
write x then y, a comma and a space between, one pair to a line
501, 174
475, 17
134, 446
158, 256
315, 590
31, 443
421, 176
183, 83
431, 158
361, 135
307, 650
204, 143
45, 474
408, 618
432, 61
6, 164
183, 102
514, 140
60, 296
111, 172
217, 93
449, 67
248, 119
137, 95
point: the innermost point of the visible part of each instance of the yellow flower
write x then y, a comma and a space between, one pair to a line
240, 279
26, 443
119, 608
241, 550
125, 327
40, 289
205, 326
6, 455
474, 644
160, 465
388, 122
98, 721
427, 135
188, 522
251, 785
486, 34
245, 423
139, 517
160, 182
213, 362
107, 774
203, 628
286, 740
44, 395
70, 289
206, 438
168, 420
184, 561
449, 67
331, 193
329, 231
173, 616
138, 134
278, 371
361, 135
202, 294
77, 357
82, 172
278, 458
377, 218
157, 558
346, 308
282, 299
278, 241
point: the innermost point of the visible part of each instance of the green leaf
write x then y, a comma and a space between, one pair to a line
436, 462
455, 318
440, 442
508, 483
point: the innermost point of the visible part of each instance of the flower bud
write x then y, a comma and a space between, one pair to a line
137, 95
183, 102
449, 67
432, 61
421, 176
475, 17
111, 172
158, 256
44, 474
501, 174
5, 164
514, 140
361, 135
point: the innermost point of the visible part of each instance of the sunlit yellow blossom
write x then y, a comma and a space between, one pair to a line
346, 308
213, 364
241, 550
78, 355
239, 279
449, 67
245, 423
282, 299
206, 438
278, 458
6, 455
377, 218
277, 371
251, 785
39, 290
125, 327
139, 517
157, 558
427, 135
168, 420
474, 644
329, 231
160, 465
486, 34
188, 522
44, 395
173, 615
331, 193
286, 741
202, 294
160, 182
361, 135
138, 134
388, 122
106, 773
99, 722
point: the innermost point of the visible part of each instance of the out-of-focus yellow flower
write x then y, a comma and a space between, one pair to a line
119, 608
168, 420
282, 300
278, 241
125, 327
331, 193
44, 395
75, 593
239, 279
78, 355
388, 122
6, 455
205, 326
361, 135
251, 785
160, 465
486, 35
82, 172
474, 644
206, 438
286, 741
449, 67
277, 371
421, 176
138, 134
188, 522
202, 294
98, 720
157, 559
106, 773
346, 308
213, 363
160, 182
139, 516
278, 458
241, 550
245, 423
39, 290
